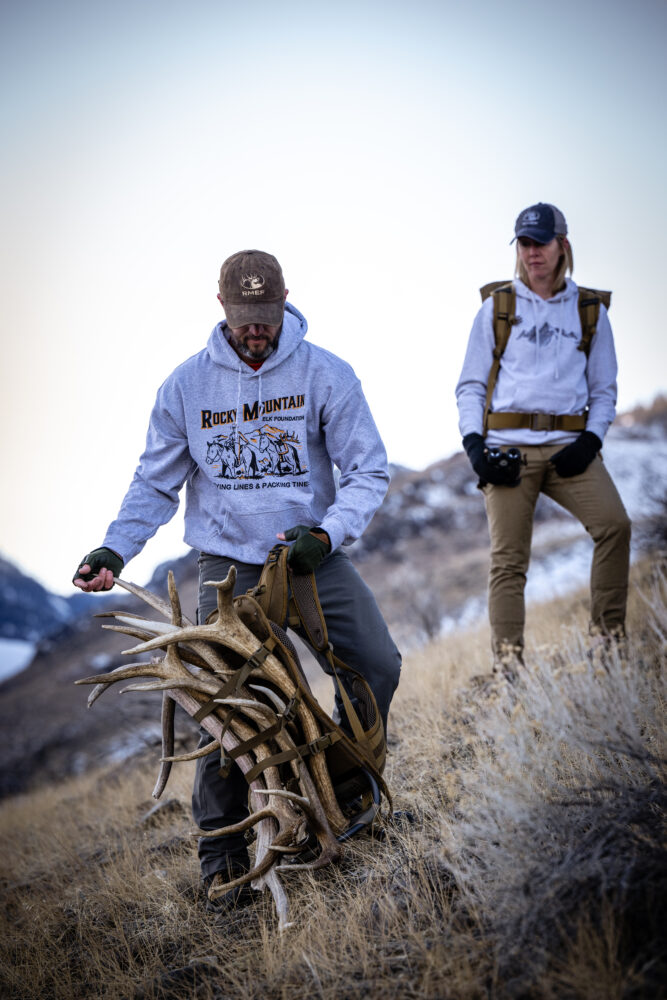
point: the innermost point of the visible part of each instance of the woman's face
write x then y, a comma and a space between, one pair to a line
539, 259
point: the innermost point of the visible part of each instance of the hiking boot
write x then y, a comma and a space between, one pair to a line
508, 662
235, 898
604, 646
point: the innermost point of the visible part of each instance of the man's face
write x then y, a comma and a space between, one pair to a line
254, 342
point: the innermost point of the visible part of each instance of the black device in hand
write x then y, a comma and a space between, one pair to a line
509, 460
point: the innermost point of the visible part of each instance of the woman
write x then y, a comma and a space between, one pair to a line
553, 397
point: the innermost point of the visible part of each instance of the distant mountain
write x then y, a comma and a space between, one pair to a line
30, 612
424, 555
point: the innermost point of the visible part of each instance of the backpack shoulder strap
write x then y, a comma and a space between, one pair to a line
589, 312
504, 302
280, 590
271, 592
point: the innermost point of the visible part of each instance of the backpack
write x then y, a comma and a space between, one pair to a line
355, 755
504, 301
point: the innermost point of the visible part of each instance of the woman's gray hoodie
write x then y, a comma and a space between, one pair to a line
541, 371
256, 450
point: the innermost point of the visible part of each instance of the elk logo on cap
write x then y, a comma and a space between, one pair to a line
251, 282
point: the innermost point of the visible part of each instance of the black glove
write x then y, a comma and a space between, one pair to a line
575, 458
498, 475
99, 559
308, 551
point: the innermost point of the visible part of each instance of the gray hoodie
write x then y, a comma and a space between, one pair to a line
541, 371
256, 450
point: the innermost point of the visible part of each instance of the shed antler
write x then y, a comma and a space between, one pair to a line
230, 677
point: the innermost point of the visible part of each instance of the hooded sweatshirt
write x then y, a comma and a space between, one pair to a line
541, 370
256, 451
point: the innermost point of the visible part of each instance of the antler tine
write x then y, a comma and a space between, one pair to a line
113, 614
225, 589
223, 831
261, 868
168, 710
152, 627
152, 599
196, 754
174, 600
126, 672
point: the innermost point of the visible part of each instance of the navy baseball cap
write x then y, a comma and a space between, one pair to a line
541, 222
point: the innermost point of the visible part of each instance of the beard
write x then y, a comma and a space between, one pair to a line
253, 352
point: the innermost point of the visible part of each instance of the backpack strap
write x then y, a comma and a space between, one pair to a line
273, 593
365, 748
304, 593
504, 318
589, 312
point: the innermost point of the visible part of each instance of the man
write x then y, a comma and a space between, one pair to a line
554, 401
254, 425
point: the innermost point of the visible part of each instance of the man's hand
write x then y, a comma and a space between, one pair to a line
309, 549
97, 570
498, 475
575, 458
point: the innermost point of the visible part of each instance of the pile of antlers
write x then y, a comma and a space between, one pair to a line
265, 713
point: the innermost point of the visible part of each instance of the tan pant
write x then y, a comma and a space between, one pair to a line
593, 499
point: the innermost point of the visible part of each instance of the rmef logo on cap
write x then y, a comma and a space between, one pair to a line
252, 284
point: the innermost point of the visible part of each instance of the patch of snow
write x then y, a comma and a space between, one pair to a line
101, 661
15, 655
559, 572
473, 610
132, 743
638, 466
438, 495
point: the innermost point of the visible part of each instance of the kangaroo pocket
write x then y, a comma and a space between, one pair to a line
251, 533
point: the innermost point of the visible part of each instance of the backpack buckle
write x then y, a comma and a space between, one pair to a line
321, 743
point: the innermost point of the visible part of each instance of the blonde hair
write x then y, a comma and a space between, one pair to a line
565, 265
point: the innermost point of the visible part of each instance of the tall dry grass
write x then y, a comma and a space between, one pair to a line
527, 856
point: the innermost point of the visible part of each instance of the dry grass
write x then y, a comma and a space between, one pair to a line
529, 860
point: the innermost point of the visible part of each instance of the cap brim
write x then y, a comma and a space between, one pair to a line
539, 235
266, 313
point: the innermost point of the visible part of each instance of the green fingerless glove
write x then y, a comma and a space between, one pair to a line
308, 551
99, 559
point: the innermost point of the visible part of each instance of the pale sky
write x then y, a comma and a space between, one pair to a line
380, 150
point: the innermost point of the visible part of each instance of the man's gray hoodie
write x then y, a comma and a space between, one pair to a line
256, 450
542, 369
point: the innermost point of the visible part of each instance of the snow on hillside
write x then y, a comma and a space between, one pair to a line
638, 466
15, 655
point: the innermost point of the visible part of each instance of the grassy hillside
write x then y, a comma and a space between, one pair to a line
527, 859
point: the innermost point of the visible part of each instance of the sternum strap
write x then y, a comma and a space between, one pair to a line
239, 677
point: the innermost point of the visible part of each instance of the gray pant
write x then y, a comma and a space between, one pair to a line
360, 638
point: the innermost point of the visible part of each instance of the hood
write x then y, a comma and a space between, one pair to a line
293, 332
524, 292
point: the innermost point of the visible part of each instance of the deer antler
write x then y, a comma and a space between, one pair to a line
240, 692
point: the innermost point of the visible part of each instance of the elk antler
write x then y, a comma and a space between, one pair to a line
242, 694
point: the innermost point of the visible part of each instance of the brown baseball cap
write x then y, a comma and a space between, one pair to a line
252, 289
